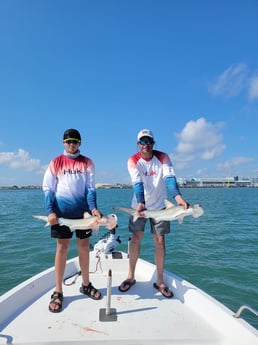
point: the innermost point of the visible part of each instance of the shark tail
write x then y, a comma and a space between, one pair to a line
135, 217
44, 218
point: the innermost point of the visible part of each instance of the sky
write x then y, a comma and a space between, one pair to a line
187, 70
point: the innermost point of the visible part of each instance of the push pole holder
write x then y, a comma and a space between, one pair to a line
108, 314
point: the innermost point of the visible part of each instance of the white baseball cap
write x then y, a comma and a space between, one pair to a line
145, 133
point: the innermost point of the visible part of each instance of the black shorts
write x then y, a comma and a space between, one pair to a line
63, 231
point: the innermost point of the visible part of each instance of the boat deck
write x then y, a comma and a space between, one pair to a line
139, 316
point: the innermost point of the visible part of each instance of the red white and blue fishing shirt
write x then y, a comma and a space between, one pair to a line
152, 180
69, 186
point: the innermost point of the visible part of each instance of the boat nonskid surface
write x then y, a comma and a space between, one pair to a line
139, 316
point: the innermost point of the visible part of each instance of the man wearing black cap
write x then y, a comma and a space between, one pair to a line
69, 188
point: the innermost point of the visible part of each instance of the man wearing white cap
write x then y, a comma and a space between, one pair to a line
152, 177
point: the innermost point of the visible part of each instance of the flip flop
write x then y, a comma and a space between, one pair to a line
126, 285
164, 290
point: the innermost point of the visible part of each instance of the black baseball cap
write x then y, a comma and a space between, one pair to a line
72, 134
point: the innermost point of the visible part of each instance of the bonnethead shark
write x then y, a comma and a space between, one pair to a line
87, 222
170, 213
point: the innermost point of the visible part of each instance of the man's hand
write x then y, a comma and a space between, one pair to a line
52, 219
95, 212
140, 207
181, 201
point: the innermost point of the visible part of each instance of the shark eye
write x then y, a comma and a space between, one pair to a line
114, 216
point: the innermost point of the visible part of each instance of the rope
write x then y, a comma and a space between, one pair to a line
77, 274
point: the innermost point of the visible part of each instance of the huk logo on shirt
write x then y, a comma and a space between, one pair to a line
150, 173
73, 172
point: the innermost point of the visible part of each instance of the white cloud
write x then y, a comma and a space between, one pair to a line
253, 89
201, 172
199, 140
19, 160
235, 161
234, 80
230, 82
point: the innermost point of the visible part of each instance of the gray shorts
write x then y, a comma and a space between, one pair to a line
158, 228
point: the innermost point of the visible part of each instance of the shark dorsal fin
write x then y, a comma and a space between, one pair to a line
86, 215
168, 204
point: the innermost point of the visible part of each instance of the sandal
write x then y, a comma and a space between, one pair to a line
126, 285
164, 290
56, 299
90, 291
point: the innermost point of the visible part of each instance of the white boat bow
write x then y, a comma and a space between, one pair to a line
139, 316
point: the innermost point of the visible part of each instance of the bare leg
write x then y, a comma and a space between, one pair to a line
62, 246
83, 252
134, 252
159, 241
84, 261
160, 251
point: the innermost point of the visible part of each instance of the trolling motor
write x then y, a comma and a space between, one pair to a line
107, 244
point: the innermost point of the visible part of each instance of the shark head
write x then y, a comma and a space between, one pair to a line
197, 211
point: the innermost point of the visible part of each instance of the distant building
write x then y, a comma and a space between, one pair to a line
111, 186
216, 182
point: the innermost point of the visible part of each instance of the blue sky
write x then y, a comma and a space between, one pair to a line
188, 70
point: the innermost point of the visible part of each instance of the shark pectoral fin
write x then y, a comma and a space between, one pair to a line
168, 203
95, 228
180, 219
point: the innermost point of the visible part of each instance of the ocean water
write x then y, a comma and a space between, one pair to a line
217, 252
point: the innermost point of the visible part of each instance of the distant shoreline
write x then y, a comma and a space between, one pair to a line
130, 187
98, 186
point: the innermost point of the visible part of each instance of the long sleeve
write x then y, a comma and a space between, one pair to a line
172, 186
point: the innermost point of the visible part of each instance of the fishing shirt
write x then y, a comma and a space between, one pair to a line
152, 180
69, 186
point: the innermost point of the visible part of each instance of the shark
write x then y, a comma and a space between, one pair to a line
170, 213
87, 222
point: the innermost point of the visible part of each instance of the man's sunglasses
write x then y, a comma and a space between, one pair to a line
146, 141
72, 141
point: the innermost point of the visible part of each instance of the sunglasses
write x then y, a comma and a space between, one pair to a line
146, 142
72, 141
